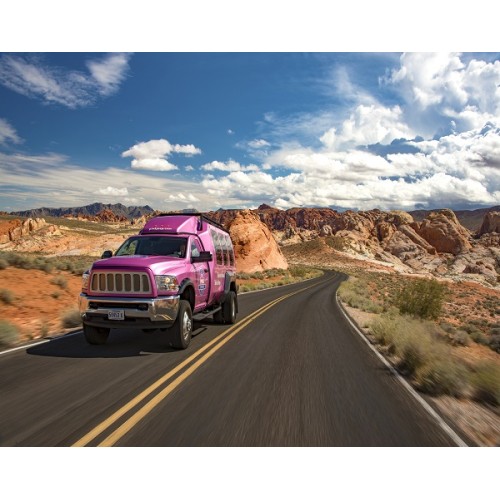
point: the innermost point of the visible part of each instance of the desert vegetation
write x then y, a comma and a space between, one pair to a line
269, 278
415, 327
76, 264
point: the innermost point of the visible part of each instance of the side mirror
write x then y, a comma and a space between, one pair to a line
203, 257
107, 254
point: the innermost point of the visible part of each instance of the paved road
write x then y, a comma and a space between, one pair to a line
291, 372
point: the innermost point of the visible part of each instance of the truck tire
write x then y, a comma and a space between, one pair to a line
182, 329
227, 315
229, 308
94, 335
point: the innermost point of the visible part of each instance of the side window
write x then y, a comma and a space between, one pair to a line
220, 250
217, 248
230, 250
227, 246
195, 251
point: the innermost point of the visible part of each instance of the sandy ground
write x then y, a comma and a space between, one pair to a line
38, 304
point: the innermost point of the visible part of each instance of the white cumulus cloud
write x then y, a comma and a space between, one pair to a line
368, 124
442, 84
152, 155
112, 191
229, 166
183, 198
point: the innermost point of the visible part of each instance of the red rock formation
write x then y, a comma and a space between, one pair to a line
16, 229
443, 231
254, 245
491, 223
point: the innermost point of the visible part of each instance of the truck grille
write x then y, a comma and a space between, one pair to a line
120, 283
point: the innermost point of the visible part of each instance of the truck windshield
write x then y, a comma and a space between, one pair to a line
154, 245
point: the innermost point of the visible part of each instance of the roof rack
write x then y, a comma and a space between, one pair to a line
197, 214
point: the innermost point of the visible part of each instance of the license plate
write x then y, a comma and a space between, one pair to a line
116, 315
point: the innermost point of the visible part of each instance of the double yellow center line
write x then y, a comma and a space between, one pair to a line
136, 417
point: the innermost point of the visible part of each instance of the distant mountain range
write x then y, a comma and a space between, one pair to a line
471, 219
87, 210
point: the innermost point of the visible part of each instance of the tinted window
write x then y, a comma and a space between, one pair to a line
154, 245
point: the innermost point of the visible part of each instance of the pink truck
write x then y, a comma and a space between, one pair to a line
179, 267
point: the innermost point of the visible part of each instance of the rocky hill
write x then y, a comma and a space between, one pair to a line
437, 245
470, 219
87, 211
254, 245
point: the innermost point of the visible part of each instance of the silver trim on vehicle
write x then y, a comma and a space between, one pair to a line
120, 283
161, 309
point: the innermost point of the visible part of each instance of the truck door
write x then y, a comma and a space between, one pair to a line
201, 277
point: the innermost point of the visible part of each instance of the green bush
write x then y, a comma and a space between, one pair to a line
422, 298
3, 264
8, 334
486, 382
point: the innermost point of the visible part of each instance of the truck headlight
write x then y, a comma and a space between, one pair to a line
166, 282
85, 281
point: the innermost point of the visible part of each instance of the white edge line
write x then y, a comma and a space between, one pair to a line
451, 433
44, 341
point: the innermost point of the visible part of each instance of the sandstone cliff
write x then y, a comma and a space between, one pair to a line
14, 230
254, 245
491, 223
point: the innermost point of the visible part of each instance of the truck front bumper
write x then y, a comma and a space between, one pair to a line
138, 312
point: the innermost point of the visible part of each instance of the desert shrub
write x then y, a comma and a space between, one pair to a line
442, 376
71, 318
494, 342
299, 271
355, 293
386, 328
422, 298
6, 296
275, 272
3, 264
479, 337
8, 334
414, 346
60, 281
460, 338
336, 242
486, 382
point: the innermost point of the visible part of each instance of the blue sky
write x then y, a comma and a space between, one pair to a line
232, 130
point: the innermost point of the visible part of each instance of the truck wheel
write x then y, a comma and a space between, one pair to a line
94, 335
227, 315
183, 327
229, 309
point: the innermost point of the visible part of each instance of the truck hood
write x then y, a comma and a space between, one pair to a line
158, 264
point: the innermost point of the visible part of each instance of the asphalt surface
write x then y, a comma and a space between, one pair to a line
291, 372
